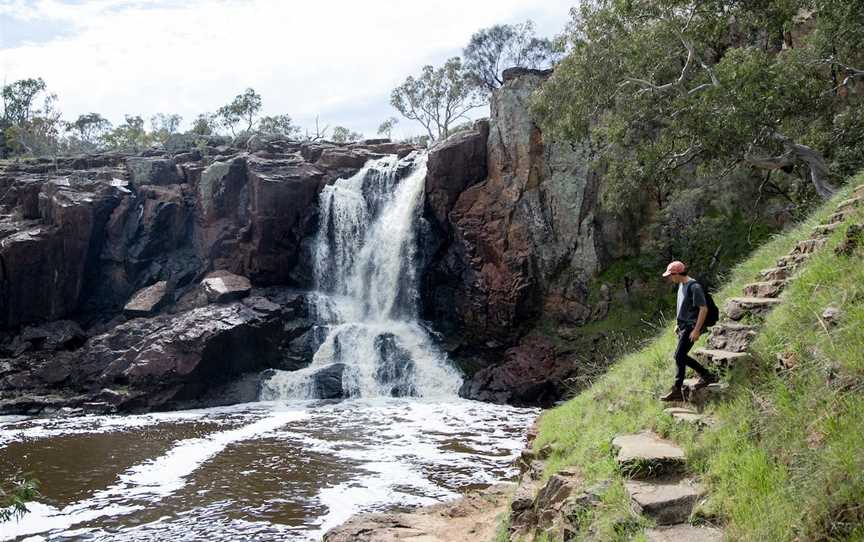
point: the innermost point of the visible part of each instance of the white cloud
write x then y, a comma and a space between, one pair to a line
305, 58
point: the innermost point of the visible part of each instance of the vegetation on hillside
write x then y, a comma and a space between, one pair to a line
784, 460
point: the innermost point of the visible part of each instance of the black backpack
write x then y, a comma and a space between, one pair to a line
713, 311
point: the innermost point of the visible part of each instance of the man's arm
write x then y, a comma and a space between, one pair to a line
700, 321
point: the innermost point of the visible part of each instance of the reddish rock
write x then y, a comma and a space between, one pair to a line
223, 286
147, 301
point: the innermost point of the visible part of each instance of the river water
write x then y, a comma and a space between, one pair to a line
258, 471
291, 466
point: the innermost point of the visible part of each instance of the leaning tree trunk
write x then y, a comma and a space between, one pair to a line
796, 153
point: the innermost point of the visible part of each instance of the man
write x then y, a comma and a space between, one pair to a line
692, 310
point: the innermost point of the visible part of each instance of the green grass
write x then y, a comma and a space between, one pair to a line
786, 459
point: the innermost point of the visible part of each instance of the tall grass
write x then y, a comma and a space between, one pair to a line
786, 458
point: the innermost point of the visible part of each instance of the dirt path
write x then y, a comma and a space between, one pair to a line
473, 517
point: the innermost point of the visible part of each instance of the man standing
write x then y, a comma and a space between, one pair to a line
692, 310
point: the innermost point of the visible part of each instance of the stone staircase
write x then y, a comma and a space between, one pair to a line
657, 485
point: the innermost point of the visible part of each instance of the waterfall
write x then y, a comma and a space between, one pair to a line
366, 279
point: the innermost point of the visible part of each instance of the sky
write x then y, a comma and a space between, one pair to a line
337, 60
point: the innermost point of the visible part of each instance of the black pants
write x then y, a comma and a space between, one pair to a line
682, 360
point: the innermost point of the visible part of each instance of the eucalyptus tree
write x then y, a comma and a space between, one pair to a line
87, 131
243, 109
494, 49
438, 97
675, 85
279, 125
342, 134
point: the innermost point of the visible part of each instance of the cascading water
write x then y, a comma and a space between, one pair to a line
366, 276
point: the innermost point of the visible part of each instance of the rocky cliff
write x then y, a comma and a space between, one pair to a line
120, 275
520, 241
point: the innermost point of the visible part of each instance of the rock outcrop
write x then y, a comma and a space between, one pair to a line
521, 241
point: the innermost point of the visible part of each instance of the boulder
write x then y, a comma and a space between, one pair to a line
57, 335
152, 170
327, 382
223, 286
532, 373
147, 301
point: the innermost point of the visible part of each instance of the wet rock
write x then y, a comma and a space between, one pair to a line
147, 301
223, 286
327, 382
395, 367
532, 373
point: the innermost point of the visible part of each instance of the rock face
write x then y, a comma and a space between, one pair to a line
164, 361
520, 242
88, 242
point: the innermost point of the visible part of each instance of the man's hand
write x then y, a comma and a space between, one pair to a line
694, 335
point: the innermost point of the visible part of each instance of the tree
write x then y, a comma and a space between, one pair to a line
278, 125
344, 135
29, 128
438, 97
87, 131
18, 99
205, 124
244, 108
129, 136
386, 127
319, 133
502, 46
673, 86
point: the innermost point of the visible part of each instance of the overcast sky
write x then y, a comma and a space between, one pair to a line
335, 59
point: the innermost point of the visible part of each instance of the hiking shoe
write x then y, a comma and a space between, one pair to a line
704, 381
674, 394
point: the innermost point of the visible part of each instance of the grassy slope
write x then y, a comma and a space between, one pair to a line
786, 459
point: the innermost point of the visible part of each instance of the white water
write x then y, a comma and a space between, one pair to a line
366, 275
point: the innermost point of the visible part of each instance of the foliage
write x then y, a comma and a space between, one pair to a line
278, 125
13, 502
438, 97
129, 136
27, 127
244, 108
163, 125
344, 135
492, 50
670, 90
783, 461
205, 124
386, 127
87, 131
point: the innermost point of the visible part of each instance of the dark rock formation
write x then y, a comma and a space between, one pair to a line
222, 286
147, 301
160, 362
327, 382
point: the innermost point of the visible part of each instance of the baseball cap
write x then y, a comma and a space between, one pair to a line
675, 268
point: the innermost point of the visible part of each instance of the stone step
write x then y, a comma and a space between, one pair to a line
720, 358
688, 415
824, 229
839, 216
667, 502
851, 203
646, 454
769, 288
809, 246
738, 307
731, 337
701, 396
684, 533
792, 261
776, 273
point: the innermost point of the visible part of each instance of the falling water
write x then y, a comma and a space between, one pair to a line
366, 276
